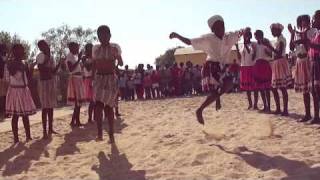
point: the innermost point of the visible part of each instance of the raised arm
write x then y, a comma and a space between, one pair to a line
181, 38
238, 52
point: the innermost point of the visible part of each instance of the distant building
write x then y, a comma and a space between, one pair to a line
199, 57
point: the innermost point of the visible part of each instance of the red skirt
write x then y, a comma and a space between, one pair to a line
262, 74
87, 82
247, 82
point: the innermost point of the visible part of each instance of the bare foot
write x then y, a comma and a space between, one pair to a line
199, 116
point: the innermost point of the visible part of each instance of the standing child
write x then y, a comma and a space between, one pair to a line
281, 75
104, 57
217, 45
303, 66
156, 83
47, 86
262, 70
247, 56
87, 80
76, 94
147, 83
314, 55
130, 85
19, 101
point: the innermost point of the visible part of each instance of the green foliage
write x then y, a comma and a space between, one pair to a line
8, 39
167, 57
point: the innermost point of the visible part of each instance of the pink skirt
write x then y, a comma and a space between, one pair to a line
19, 101
47, 93
247, 82
262, 74
281, 74
88, 89
76, 90
302, 76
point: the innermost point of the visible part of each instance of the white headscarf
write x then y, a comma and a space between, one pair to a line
214, 19
277, 26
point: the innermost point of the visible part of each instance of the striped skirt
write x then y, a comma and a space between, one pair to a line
105, 89
75, 90
19, 101
47, 93
247, 82
302, 77
281, 74
210, 76
262, 74
88, 89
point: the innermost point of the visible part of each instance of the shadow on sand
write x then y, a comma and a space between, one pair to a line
294, 169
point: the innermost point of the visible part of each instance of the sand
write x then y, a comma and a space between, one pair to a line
161, 140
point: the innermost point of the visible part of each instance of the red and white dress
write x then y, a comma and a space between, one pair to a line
247, 82
76, 93
314, 55
262, 72
281, 74
19, 100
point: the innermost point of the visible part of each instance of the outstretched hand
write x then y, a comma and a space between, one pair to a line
173, 35
290, 29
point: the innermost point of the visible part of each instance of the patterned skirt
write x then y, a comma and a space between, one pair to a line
47, 93
210, 76
88, 89
3, 87
75, 90
302, 77
19, 101
105, 89
262, 74
281, 74
315, 75
247, 82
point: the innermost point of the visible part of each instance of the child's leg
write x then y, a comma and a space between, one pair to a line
268, 99
315, 95
285, 101
263, 97
26, 125
98, 118
276, 100
77, 117
44, 123
72, 123
210, 99
90, 111
14, 125
50, 115
255, 98
110, 115
249, 99
306, 101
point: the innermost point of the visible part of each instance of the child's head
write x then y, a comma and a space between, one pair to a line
44, 47
258, 35
73, 47
316, 20
276, 29
303, 22
3, 49
247, 35
104, 34
126, 67
18, 52
216, 25
88, 49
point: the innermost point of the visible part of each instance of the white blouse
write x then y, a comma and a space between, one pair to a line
217, 49
246, 57
73, 59
280, 39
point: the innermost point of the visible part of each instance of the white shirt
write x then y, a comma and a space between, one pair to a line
96, 54
40, 59
217, 50
261, 52
18, 79
87, 73
246, 57
280, 39
73, 59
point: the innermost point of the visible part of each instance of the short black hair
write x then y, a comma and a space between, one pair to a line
302, 18
72, 44
103, 29
17, 48
259, 33
41, 43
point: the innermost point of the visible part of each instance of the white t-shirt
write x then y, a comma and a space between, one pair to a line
73, 59
280, 39
40, 59
18, 79
246, 57
217, 50
261, 51
96, 53
87, 73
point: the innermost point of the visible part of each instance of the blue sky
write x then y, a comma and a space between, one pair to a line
141, 27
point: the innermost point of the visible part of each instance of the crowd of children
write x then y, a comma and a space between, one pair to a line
94, 76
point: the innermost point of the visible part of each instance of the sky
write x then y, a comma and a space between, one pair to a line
142, 27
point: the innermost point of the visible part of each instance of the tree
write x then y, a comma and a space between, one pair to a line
59, 37
8, 40
167, 57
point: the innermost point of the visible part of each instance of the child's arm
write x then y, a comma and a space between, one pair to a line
56, 68
254, 49
292, 33
73, 66
276, 51
238, 51
181, 38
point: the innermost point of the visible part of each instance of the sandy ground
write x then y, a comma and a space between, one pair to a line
161, 140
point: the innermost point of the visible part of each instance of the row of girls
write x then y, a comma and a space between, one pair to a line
265, 69
98, 62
